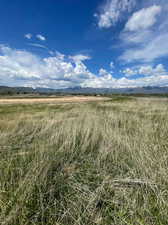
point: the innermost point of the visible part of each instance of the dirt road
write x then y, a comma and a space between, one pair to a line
52, 100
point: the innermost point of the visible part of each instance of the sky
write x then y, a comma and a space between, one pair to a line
86, 43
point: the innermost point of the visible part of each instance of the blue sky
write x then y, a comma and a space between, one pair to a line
89, 43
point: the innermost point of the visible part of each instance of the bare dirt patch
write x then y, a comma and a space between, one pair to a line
52, 100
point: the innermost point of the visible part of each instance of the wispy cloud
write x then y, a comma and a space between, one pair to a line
38, 45
145, 34
156, 48
80, 57
143, 18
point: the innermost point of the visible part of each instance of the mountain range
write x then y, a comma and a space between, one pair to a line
87, 90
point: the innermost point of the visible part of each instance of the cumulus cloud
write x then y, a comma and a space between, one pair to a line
108, 81
149, 70
40, 37
146, 70
23, 68
28, 36
143, 18
103, 72
112, 11
129, 72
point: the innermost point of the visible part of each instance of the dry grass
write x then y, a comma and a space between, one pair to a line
84, 164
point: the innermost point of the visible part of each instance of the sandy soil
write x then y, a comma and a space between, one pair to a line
52, 100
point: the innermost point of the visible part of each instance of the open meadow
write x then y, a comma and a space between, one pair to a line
103, 161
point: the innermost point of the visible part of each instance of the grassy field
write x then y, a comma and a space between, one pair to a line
84, 163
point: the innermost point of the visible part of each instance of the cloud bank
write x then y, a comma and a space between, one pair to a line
23, 68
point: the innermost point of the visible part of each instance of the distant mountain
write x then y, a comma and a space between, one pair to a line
87, 90
16, 90
141, 90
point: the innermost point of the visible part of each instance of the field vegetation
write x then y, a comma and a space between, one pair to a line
85, 163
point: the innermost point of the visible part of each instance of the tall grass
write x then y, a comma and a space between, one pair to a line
84, 164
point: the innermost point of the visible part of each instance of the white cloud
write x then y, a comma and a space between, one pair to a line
112, 12
160, 69
138, 37
129, 72
59, 55
104, 80
105, 74
80, 57
149, 70
40, 37
38, 45
146, 70
156, 48
112, 66
51, 52
145, 35
22, 68
102, 72
143, 18
28, 36
110, 82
